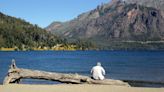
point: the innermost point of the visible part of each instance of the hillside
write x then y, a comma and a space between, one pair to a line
17, 34
116, 25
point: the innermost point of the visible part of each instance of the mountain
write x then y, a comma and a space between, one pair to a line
17, 33
116, 25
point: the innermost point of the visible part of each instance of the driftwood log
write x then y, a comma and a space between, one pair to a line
15, 74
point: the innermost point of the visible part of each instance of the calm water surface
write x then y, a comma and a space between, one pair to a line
126, 65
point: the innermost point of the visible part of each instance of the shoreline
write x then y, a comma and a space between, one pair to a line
74, 88
80, 50
142, 84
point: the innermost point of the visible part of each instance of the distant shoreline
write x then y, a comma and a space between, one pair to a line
13, 49
10, 50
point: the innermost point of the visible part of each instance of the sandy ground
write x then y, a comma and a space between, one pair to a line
74, 88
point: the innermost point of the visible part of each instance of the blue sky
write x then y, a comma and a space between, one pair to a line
44, 12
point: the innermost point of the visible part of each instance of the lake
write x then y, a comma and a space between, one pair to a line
124, 65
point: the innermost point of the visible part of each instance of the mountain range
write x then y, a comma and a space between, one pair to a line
119, 24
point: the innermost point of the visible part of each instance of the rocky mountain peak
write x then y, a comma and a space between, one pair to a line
54, 26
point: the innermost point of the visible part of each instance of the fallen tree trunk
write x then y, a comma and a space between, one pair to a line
15, 74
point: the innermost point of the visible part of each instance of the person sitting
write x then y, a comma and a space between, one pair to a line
98, 72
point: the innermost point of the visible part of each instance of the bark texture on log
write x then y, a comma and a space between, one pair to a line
15, 74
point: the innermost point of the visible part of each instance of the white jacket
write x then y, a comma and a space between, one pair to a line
98, 73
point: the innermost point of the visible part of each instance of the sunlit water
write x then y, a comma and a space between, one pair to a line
124, 65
